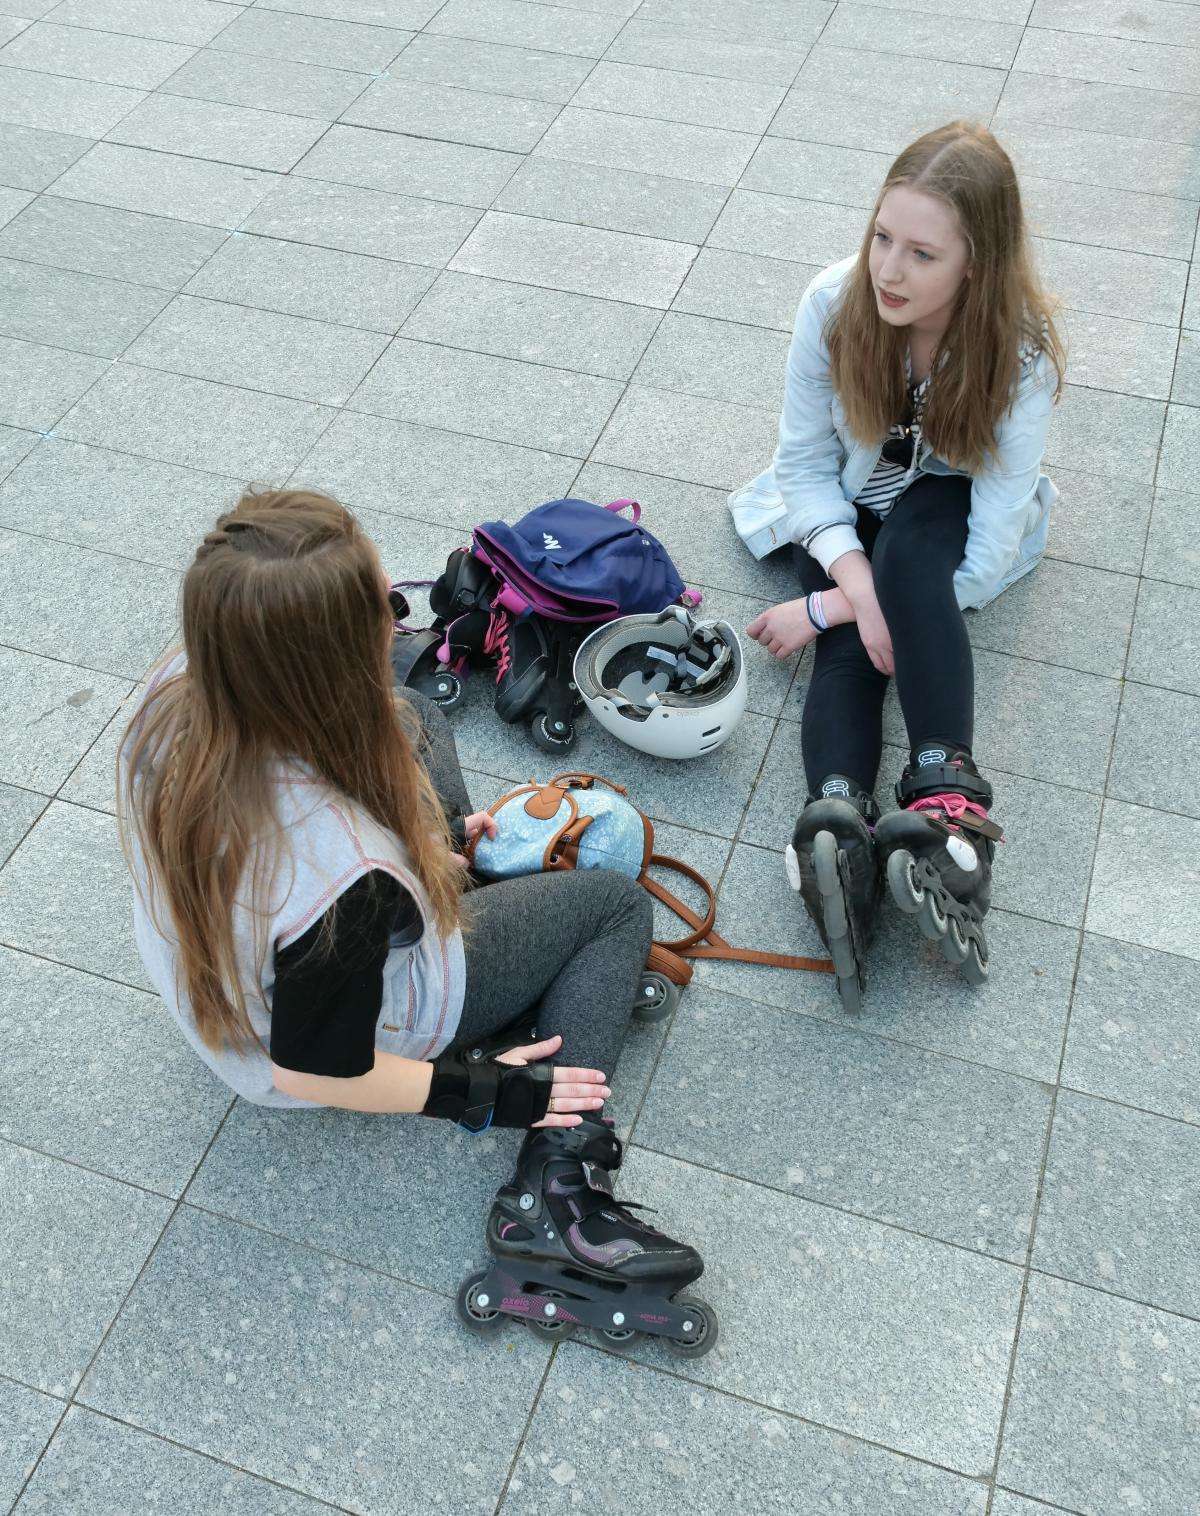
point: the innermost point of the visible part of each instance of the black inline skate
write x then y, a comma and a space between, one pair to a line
566, 1253
938, 850
832, 862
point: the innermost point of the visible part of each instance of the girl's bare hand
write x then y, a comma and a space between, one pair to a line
575, 1090
876, 638
784, 629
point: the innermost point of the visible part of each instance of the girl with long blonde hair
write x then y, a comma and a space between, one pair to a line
295, 826
908, 477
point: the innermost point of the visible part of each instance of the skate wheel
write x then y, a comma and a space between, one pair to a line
907, 890
478, 1317
931, 918
620, 1337
705, 1319
548, 1326
955, 944
549, 740
445, 690
975, 964
657, 998
850, 994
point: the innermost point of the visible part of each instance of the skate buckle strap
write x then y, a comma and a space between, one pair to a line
959, 812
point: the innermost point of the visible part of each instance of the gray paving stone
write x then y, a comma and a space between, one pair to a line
374, 463
31, 159
742, 287
74, 1243
1081, 103
1158, 23
817, 171
1098, 521
12, 26
1006, 1503
842, 96
1145, 885
409, 548
28, 1419
98, 1467
794, 1282
96, 239
91, 782
40, 384
196, 423
644, 1430
369, 12
1177, 464
1165, 646
1113, 282
300, 89
1157, 753
1034, 719
1046, 616
648, 204
580, 260
553, 77
136, 62
189, 21
156, 512
363, 221
1087, 213
1097, 157
658, 44
51, 714
422, 109
1186, 386
1132, 357
1107, 60
26, 9
527, 404
892, 1133
19, 809
74, 311
718, 359
1133, 1028
684, 437
270, 33
409, 165
1191, 307
65, 894
1099, 1413
1172, 551
668, 95
1102, 433
48, 103
779, 226
164, 184
637, 144
102, 1076
181, 1363
227, 133
512, 21
323, 283
1015, 12
14, 444
279, 355
694, 525
953, 38
600, 337
1120, 1203
796, 22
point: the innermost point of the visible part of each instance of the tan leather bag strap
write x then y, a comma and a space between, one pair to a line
723, 950
701, 925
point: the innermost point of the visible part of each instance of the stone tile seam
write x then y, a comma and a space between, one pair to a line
528, 1422
1005, 68
87, 668
1082, 31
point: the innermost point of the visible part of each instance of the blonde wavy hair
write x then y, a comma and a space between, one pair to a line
1002, 318
287, 631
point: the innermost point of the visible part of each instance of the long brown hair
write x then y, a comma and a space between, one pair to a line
1002, 315
287, 627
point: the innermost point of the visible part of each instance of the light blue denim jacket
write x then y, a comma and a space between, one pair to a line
819, 468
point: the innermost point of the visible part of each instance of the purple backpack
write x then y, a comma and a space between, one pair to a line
570, 560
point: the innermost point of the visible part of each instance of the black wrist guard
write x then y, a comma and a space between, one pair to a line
480, 1095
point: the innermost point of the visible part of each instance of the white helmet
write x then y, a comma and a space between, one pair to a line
667, 684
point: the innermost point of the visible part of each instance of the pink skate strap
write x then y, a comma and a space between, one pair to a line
959, 808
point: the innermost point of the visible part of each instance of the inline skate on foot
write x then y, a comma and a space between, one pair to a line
566, 1253
832, 862
938, 851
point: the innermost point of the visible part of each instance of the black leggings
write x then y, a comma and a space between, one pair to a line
569, 945
914, 553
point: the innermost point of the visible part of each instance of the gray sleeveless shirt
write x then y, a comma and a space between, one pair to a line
324, 843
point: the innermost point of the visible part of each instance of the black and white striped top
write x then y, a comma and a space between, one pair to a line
888, 479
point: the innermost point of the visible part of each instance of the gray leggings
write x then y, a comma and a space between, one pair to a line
572, 946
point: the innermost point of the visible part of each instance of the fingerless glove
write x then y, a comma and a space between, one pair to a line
480, 1095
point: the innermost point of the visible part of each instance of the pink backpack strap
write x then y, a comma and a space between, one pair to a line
619, 505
